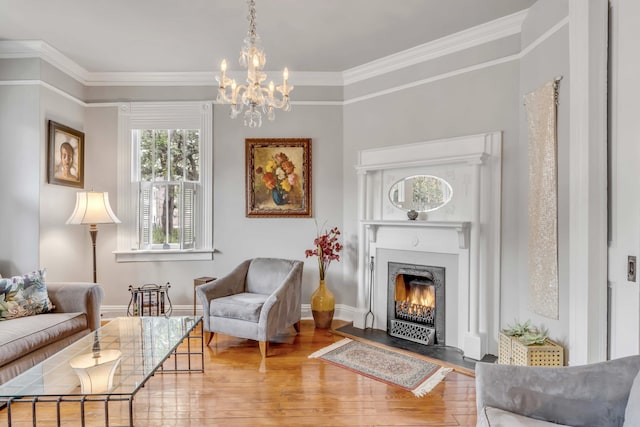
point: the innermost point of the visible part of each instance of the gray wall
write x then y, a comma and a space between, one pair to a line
34, 231
470, 103
547, 60
62, 247
34, 209
459, 102
236, 237
21, 149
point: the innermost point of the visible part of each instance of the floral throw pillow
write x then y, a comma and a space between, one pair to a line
24, 295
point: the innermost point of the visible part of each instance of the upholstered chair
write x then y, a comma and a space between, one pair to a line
257, 300
605, 394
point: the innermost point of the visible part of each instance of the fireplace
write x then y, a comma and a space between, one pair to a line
463, 238
416, 303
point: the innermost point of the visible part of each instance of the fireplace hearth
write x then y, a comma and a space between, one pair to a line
416, 303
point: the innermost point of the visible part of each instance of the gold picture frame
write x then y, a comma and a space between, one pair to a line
65, 163
278, 174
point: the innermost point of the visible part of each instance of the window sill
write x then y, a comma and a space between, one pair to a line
164, 255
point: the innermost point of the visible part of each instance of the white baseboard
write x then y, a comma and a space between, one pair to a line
109, 312
342, 312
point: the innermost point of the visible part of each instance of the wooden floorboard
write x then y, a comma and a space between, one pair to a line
239, 388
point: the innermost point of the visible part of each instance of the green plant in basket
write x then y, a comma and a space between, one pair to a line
526, 333
518, 329
534, 337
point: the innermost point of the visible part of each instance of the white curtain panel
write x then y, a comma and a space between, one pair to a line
543, 200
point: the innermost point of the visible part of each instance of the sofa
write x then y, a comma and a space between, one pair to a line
26, 341
605, 394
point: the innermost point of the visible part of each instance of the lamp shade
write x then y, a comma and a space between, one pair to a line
92, 207
96, 370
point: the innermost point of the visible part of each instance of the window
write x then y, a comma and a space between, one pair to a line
168, 163
165, 176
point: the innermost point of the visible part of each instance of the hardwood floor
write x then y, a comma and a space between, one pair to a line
239, 388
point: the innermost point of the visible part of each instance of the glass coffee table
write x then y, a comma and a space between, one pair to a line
109, 365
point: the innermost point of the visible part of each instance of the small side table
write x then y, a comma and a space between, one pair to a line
149, 300
197, 282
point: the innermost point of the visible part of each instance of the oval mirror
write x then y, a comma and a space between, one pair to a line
422, 193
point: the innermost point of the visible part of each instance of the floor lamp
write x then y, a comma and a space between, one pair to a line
92, 207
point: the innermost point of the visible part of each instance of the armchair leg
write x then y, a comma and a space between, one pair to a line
210, 336
296, 326
264, 348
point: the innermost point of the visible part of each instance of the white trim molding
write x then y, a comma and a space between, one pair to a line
43, 50
46, 86
203, 78
110, 312
490, 31
475, 36
551, 31
460, 227
588, 35
147, 115
432, 79
164, 255
476, 161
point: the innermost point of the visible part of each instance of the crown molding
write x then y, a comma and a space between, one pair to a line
432, 79
43, 50
490, 31
29, 49
40, 49
204, 78
481, 34
46, 86
150, 79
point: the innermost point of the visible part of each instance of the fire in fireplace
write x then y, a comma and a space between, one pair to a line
416, 303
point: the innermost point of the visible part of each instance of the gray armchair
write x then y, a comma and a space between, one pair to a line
257, 300
605, 394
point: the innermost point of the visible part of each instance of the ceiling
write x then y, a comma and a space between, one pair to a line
195, 35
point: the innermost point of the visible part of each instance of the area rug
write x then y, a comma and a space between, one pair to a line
410, 373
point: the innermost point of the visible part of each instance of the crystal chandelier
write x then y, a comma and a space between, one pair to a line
256, 98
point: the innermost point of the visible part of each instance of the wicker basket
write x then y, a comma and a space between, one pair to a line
512, 352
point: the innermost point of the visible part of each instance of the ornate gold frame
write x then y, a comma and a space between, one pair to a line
278, 177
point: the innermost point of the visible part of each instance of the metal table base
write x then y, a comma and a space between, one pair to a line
82, 400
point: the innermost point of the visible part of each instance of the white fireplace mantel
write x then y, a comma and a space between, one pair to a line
468, 229
461, 227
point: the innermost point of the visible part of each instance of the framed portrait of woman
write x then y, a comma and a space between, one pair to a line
65, 156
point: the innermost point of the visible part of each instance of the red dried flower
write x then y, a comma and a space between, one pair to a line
327, 248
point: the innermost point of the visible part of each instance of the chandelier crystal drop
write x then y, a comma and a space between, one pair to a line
256, 98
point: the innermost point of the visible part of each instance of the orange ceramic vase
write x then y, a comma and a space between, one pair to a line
323, 304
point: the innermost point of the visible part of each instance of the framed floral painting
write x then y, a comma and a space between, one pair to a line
65, 163
278, 177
